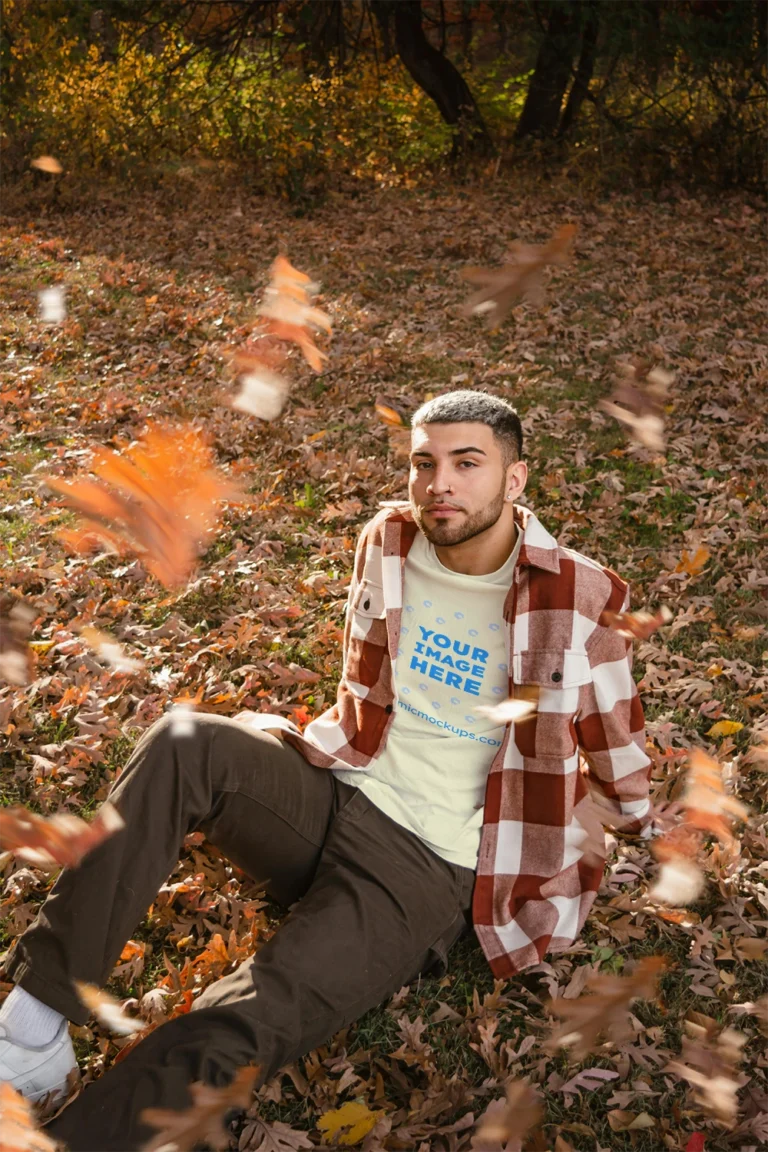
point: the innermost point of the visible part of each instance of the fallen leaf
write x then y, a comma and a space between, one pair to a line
349, 1124
725, 728
695, 564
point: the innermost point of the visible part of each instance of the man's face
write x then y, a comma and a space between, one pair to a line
457, 481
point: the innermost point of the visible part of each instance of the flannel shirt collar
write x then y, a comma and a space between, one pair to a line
539, 549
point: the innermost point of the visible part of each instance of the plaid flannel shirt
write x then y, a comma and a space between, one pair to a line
534, 888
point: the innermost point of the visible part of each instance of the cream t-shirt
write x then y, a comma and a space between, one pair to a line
431, 774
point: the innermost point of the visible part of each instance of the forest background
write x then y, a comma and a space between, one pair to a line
382, 146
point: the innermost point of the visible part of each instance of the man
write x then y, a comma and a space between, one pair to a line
403, 814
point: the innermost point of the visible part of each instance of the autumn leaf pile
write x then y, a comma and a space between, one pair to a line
643, 392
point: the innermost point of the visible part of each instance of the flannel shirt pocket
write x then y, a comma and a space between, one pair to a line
367, 648
557, 675
369, 601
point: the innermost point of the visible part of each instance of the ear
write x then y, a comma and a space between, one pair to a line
517, 478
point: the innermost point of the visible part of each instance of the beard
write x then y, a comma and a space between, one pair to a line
447, 533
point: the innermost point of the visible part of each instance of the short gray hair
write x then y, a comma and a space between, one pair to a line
467, 406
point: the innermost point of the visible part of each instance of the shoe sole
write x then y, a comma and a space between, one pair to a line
57, 1090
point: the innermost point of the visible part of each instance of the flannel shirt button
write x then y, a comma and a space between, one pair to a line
388, 708
557, 677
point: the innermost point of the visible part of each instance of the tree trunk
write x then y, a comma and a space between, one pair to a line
323, 21
436, 75
541, 112
580, 89
383, 16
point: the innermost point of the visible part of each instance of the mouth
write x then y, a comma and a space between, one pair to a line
442, 511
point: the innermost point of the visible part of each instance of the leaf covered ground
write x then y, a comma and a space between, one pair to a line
157, 288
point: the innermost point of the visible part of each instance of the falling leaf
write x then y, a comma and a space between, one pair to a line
725, 728
18, 1130
289, 314
707, 805
47, 164
679, 882
708, 1062
636, 625
508, 1120
162, 504
16, 620
606, 1011
263, 393
637, 402
108, 649
203, 1122
508, 711
398, 430
107, 1010
521, 278
695, 564
55, 841
52, 307
183, 720
349, 1124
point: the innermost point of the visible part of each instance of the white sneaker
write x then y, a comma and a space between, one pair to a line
34, 1072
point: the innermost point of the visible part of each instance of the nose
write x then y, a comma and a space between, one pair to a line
439, 482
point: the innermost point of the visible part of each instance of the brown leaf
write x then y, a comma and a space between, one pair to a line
16, 619
636, 625
55, 841
637, 402
606, 1012
507, 1120
203, 1121
18, 1130
499, 289
708, 1062
162, 506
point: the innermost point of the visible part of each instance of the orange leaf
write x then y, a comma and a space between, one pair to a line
693, 565
56, 841
47, 164
18, 1130
163, 506
636, 625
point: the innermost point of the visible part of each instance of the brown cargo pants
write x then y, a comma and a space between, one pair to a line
375, 907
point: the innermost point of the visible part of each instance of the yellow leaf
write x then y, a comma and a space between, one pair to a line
349, 1124
725, 728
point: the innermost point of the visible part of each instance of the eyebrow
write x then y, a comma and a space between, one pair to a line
453, 452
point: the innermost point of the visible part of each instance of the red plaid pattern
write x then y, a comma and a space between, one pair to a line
533, 890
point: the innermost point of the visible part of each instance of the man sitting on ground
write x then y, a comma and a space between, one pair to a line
403, 815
